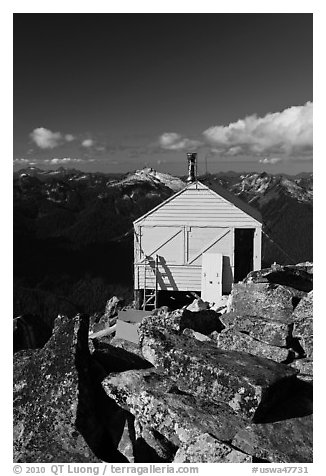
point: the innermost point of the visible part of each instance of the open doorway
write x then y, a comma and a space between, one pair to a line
243, 252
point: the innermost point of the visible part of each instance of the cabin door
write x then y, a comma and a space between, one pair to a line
211, 278
243, 252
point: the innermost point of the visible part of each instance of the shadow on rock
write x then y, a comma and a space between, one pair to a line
99, 419
297, 402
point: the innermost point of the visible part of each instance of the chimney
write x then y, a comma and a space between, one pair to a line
192, 166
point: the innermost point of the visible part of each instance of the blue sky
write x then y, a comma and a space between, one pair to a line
116, 92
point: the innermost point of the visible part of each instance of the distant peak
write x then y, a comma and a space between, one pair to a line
149, 174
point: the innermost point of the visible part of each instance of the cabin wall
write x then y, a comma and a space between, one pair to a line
180, 258
175, 278
181, 272
199, 207
178, 232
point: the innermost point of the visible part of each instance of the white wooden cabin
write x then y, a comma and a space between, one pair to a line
197, 240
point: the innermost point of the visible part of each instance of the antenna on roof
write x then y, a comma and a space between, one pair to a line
192, 166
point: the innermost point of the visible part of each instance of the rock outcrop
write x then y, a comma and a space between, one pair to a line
242, 380
270, 331
199, 387
303, 334
196, 427
109, 317
186, 421
61, 412
271, 301
46, 388
303, 324
268, 320
278, 442
235, 340
298, 276
203, 321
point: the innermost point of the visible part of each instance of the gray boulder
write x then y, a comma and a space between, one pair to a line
109, 316
243, 381
46, 397
206, 449
305, 367
183, 420
298, 276
265, 330
61, 412
303, 324
270, 301
196, 335
234, 340
285, 441
204, 321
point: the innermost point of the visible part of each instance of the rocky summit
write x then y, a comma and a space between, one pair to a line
233, 386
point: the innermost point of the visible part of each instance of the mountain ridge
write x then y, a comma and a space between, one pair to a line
73, 230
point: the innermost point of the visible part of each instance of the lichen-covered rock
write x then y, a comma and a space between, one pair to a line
123, 344
109, 317
127, 441
151, 446
304, 309
165, 319
46, 401
111, 309
305, 367
303, 324
234, 340
243, 381
285, 441
298, 276
196, 335
156, 402
206, 449
304, 331
270, 301
204, 321
61, 412
265, 330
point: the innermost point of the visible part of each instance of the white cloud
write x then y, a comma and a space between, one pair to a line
270, 160
287, 132
61, 160
46, 139
174, 141
234, 150
21, 161
87, 143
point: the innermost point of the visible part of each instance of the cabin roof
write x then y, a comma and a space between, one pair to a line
219, 191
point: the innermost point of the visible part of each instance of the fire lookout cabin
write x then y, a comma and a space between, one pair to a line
197, 240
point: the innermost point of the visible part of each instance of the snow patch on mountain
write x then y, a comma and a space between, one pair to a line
257, 185
150, 175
